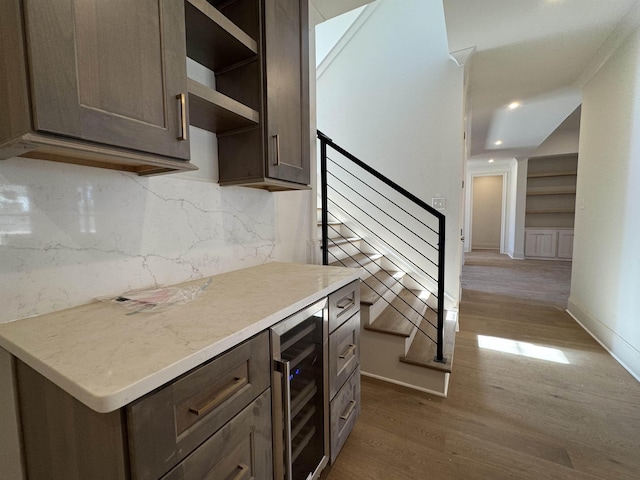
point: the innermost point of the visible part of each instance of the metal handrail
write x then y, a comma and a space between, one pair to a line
325, 142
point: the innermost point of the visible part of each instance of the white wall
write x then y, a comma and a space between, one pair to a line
558, 143
393, 98
606, 259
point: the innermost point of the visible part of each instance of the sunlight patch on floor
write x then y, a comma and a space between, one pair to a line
523, 349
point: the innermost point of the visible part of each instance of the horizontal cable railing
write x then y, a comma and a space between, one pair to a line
377, 251
402, 227
390, 304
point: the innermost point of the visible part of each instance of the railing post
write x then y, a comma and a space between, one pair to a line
441, 239
323, 192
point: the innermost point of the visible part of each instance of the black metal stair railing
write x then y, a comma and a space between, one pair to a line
396, 223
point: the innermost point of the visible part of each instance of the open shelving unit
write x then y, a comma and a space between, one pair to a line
551, 192
215, 41
550, 210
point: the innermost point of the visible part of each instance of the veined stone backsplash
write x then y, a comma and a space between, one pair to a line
71, 233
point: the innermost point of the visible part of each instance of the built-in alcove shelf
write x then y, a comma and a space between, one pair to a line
550, 210
215, 112
212, 39
565, 173
552, 190
217, 43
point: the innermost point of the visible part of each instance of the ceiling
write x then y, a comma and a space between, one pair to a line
527, 51
534, 52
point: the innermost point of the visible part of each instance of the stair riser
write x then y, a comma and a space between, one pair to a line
420, 283
343, 250
409, 339
373, 311
370, 268
379, 357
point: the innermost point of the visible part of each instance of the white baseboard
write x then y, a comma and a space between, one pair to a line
412, 387
621, 350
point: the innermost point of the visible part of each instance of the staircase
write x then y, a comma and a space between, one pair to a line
403, 339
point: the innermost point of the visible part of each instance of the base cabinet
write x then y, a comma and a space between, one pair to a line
565, 243
549, 243
344, 364
345, 409
166, 425
216, 421
241, 449
213, 422
540, 243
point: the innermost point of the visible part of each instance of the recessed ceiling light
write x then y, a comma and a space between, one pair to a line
514, 105
491, 160
498, 142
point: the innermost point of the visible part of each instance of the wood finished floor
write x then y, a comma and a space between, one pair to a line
507, 415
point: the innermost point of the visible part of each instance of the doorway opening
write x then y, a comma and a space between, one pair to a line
487, 213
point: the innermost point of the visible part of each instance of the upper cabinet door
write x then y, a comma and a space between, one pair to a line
287, 83
110, 72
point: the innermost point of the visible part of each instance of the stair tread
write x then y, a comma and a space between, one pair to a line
392, 322
356, 261
422, 350
373, 287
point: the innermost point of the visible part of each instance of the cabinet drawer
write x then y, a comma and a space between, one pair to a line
344, 353
168, 424
345, 408
239, 450
343, 303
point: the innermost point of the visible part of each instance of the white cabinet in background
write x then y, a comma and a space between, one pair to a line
548, 243
565, 243
540, 243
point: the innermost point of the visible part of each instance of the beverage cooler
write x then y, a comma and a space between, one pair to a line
300, 401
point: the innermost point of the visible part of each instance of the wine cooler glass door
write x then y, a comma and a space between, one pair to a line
300, 423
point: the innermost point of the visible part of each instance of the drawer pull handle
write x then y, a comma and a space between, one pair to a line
244, 469
349, 410
346, 302
236, 384
349, 352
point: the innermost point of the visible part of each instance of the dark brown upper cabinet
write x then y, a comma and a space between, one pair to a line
259, 108
96, 83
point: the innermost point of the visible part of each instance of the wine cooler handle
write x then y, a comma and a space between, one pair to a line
284, 367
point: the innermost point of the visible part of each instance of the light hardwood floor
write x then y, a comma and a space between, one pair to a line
507, 415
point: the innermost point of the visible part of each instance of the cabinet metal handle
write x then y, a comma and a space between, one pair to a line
349, 410
182, 107
277, 137
284, 367
235, 385
346, 302
349, 352
244, 469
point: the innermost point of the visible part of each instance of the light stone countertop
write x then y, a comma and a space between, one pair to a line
106, 358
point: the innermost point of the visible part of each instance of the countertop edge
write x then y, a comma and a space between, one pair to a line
119, 399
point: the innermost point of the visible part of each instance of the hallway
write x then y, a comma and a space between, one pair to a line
531, 396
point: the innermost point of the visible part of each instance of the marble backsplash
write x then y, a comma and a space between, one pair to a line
71, 233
